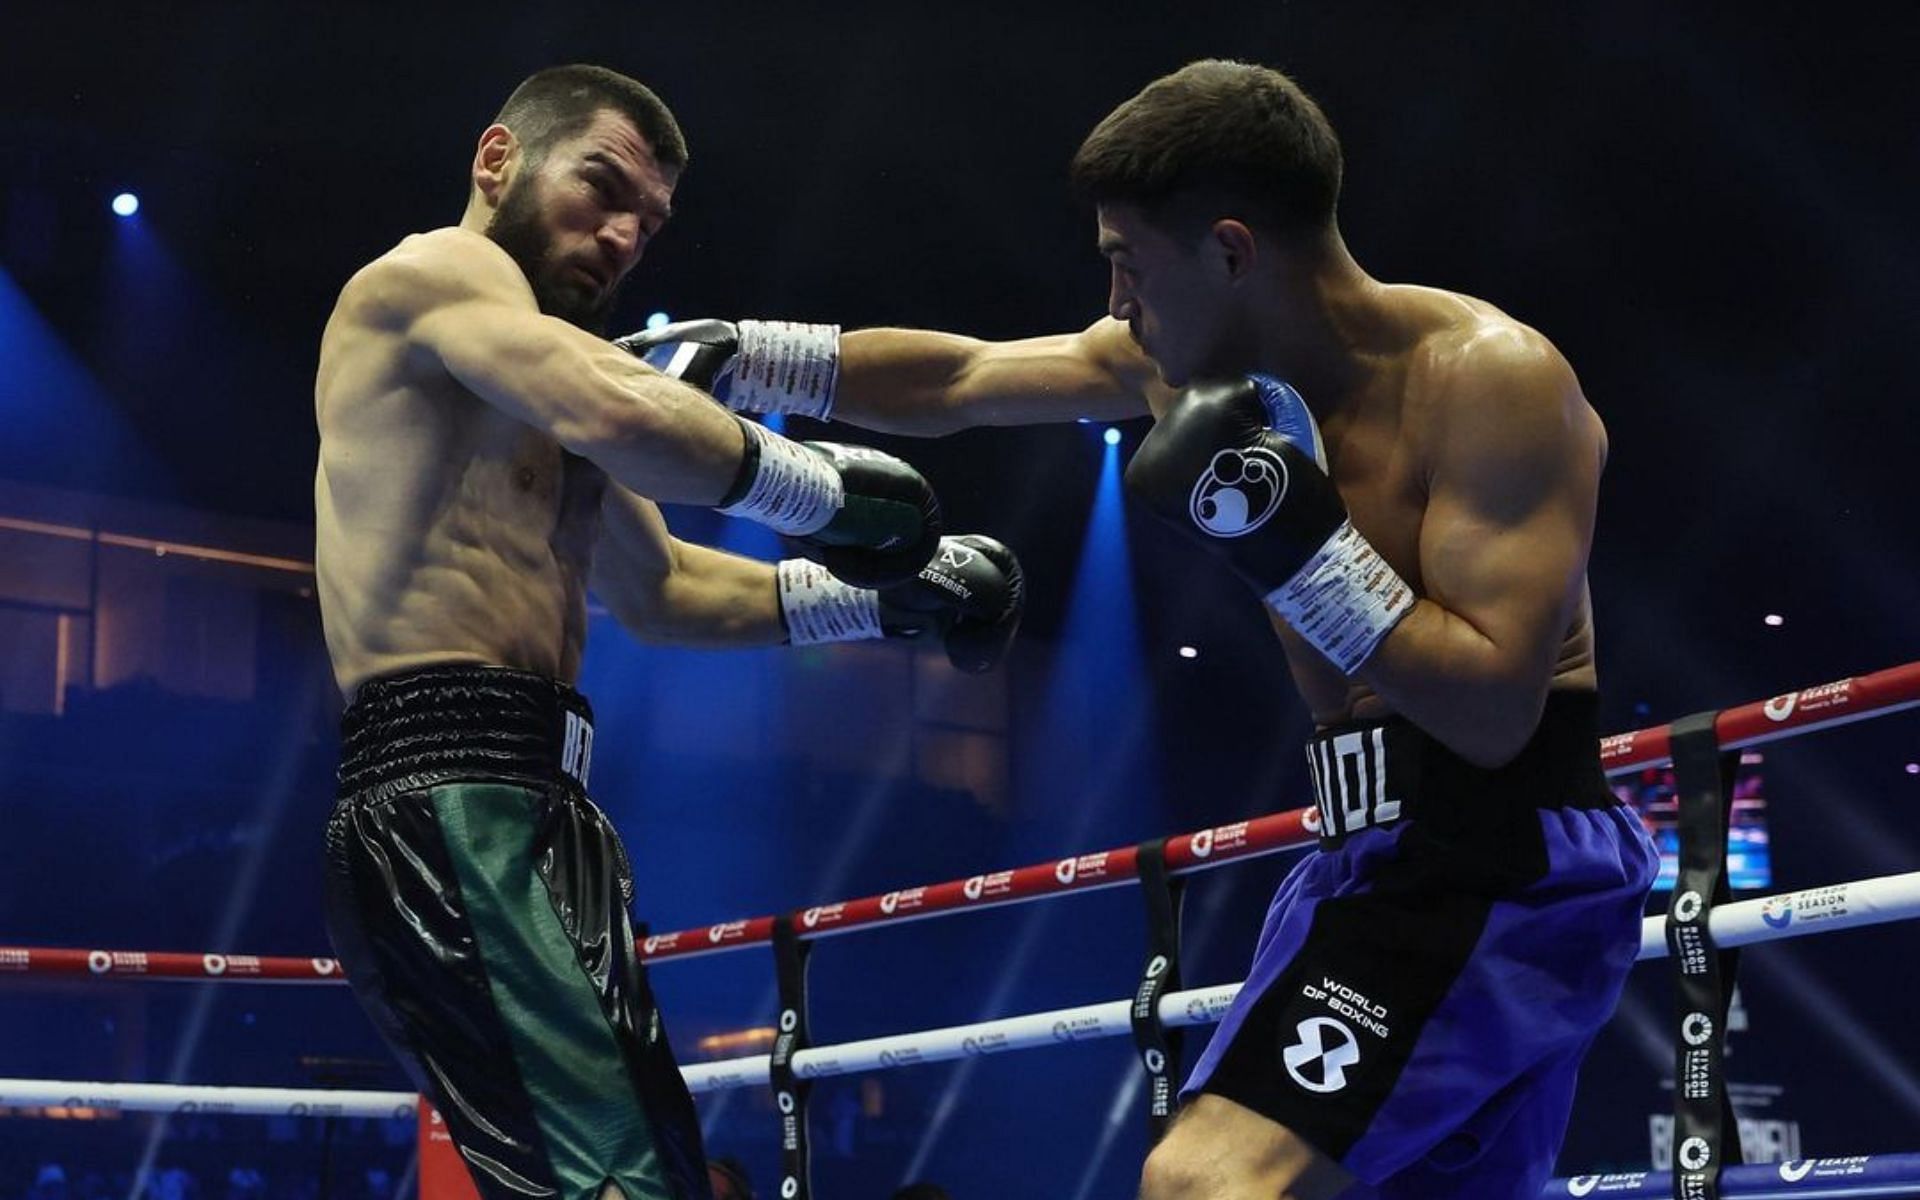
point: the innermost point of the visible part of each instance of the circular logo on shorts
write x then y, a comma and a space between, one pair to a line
215, 964
1687, 906
1237, 492
1318, 1062
1697, 1028
974, 885
1202, 843
1694, 1154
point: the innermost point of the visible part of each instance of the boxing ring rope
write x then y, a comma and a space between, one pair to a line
1808, 911
1825, 909
1787, 715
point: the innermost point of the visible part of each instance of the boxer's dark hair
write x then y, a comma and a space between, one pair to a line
1216, 139
557, 103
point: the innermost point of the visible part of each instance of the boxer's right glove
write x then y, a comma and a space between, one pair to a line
749, 366
1238, 467
970, 596
866, 516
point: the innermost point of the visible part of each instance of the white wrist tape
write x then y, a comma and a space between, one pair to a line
819, 608
1344, 600
795, 490
786, 367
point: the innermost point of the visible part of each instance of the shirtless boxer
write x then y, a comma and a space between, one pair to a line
1417, 517
482, 455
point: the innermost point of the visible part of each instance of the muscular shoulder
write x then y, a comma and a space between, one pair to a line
1502, 398
429, 270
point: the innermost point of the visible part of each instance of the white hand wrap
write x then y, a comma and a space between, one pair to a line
786, 367
819, 608
1344, 600
795, 491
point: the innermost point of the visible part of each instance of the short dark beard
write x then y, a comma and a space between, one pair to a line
517, 227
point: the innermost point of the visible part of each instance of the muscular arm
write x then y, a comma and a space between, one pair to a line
462, 304
924, 383
1503, 550
668, 591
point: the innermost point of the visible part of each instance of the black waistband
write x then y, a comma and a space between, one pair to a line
1371, 773
442, 723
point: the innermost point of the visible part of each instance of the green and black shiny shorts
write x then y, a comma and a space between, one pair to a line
478, 901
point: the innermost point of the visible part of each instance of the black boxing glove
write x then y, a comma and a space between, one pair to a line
971, 596
866, 516
749, 366
1239, 468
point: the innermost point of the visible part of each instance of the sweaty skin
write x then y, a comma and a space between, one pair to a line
1458, 438
474, 451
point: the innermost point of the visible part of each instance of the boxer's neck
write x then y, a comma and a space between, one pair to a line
1323, 321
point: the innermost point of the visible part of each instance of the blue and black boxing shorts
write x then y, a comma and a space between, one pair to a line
1427, 983
478, 901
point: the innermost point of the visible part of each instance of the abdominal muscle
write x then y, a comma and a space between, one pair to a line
447, 533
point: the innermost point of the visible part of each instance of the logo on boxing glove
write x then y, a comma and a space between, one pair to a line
1238, 491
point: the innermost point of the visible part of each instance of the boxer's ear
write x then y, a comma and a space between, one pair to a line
1233, 247
494, 161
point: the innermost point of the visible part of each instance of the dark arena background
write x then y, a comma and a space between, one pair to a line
1709, 208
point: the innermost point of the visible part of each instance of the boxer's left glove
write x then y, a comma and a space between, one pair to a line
749, 366
970, 596
1239, 468
868, 517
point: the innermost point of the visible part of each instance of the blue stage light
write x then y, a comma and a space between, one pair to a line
656, 320
126, 204
1113, 437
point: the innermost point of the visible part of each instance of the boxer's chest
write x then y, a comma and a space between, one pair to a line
1376, 452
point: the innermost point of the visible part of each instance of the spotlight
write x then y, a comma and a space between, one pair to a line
1189, 652
1083, 420
656, 320
1113, 436
1913, 768
126, 204
1774, 620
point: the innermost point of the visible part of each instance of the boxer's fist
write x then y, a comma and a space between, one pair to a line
1238, 468
749, 366
971, 595
699, 352
887, 528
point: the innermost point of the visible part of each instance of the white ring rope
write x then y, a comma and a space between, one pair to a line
1828, 909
